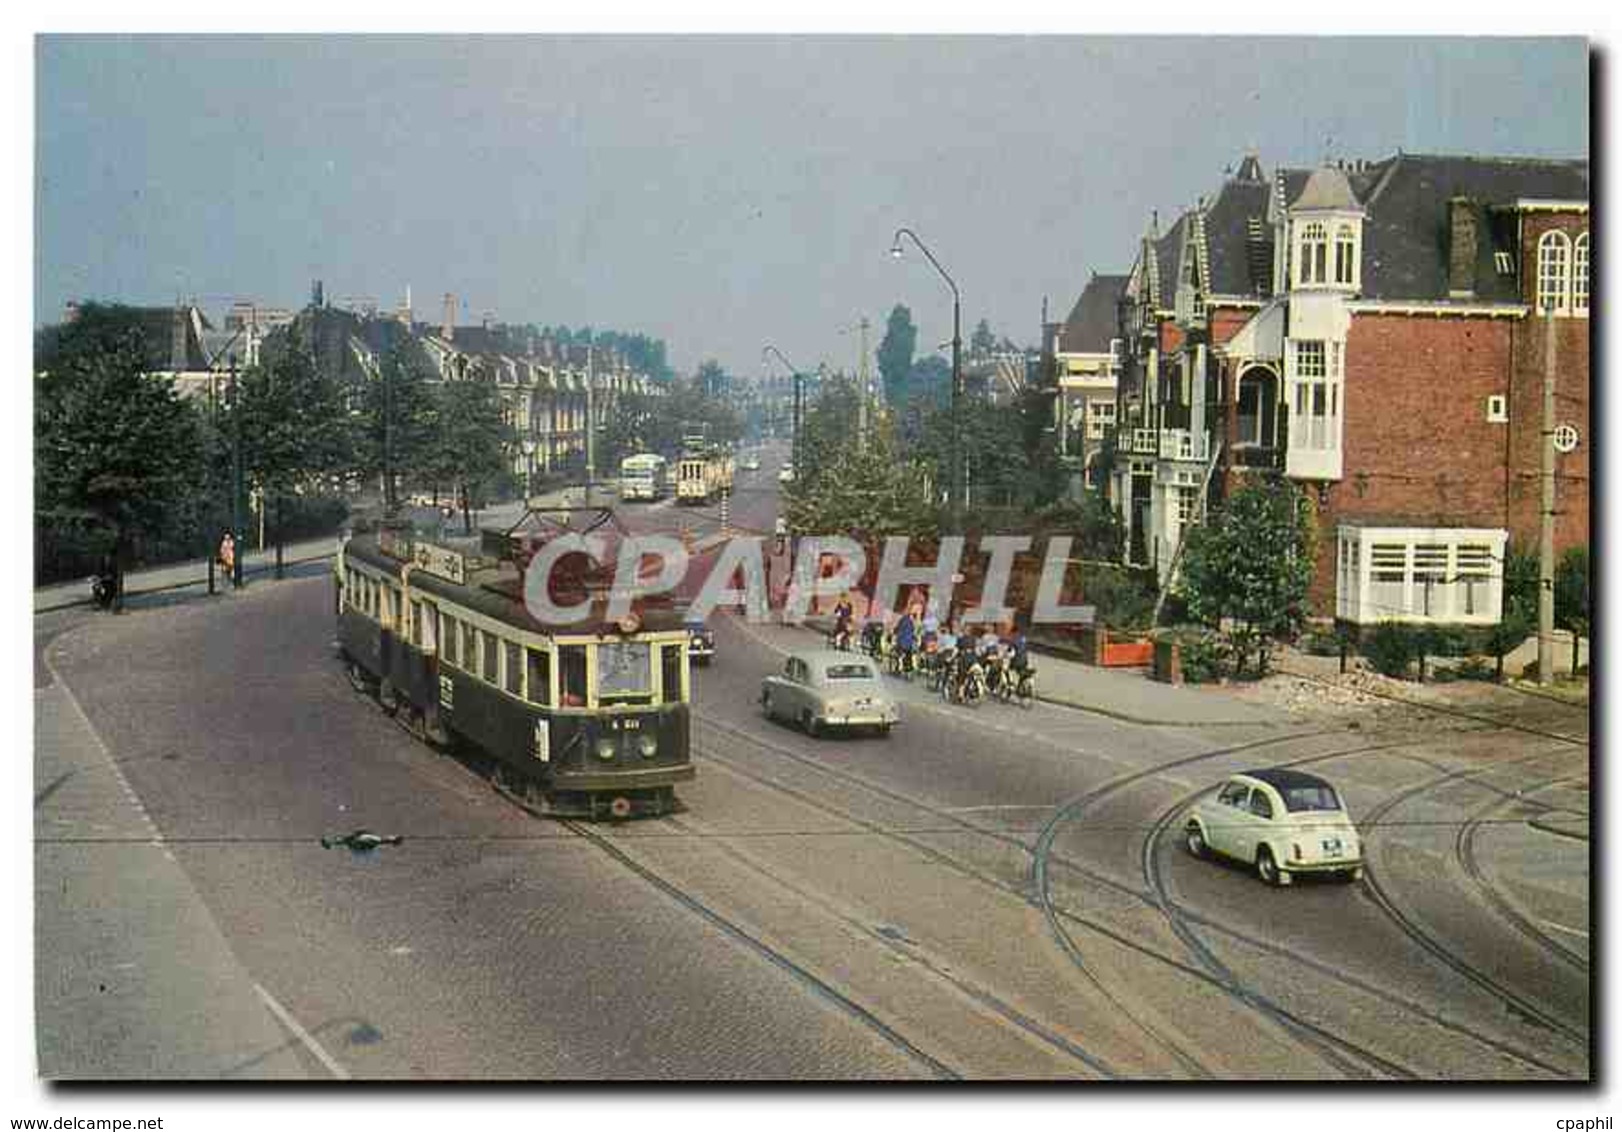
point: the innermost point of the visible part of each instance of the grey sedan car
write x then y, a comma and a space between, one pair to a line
828, 688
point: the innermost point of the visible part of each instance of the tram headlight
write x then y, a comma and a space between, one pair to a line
605, 749
648, 745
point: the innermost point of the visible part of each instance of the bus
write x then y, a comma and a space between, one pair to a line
644, 476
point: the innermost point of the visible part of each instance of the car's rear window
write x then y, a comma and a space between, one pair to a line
849, 672
1299, 798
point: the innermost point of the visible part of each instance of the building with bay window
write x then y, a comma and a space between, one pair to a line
1378, 332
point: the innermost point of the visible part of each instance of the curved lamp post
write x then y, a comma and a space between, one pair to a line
956, 476
794, 458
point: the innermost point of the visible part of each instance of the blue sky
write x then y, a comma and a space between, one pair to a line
718, 192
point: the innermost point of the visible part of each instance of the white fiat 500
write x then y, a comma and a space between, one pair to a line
827, 688
1282, 821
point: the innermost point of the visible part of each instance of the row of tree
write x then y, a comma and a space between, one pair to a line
126, 469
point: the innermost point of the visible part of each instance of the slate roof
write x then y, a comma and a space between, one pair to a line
1407, 230
1168, 253
1239, 264
1094, 320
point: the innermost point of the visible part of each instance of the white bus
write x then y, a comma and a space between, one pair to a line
643, 476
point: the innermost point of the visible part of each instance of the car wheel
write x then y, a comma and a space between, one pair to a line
884, 730
1267, 868
1194, 838
766, 705
809, 722
1352, 876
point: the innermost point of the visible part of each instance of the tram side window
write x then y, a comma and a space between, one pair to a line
451, 633
470, 648
416, 623
515, 668
670, 672
540, 676
491, 658
572, 671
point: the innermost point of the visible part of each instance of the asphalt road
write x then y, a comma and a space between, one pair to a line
985, 894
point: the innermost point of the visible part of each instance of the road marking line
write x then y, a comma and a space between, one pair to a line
1563, 928
302, 1035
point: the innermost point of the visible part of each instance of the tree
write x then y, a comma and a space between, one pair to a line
1571, 597
396, 421
841, 488
115, 449
1247, 568
982, 341
471, 440
895, 354
713, 381
296, 432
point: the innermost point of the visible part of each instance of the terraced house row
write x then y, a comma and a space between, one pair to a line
543, 383
1379, 332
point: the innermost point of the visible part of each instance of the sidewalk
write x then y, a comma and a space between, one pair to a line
179, 575
1121, 694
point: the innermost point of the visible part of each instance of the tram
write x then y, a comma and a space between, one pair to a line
589, 719
703, 475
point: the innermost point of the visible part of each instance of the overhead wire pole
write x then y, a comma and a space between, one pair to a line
794, 458
1546, 516
955, 479
213, 425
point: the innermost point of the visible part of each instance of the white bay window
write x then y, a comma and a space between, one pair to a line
1426, 575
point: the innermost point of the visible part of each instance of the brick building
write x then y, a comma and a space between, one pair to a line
1378, 333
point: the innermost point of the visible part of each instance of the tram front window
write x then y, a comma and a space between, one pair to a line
624, 670
572, 675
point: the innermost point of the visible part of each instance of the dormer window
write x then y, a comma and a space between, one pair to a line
1313, 263
1345, 254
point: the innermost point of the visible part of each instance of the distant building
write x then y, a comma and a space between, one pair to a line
1086, 351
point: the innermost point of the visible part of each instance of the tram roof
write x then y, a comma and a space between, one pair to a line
496, 590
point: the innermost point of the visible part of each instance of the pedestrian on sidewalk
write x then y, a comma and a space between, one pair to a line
228, 556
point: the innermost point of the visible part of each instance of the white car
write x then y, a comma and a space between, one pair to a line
786, 475
750, 464
828, 688
1282, 821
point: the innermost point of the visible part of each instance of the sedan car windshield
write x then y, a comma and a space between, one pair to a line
849, 672
1299, 798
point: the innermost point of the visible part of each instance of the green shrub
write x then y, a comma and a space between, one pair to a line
1474, 668
1391, 649
1205, 658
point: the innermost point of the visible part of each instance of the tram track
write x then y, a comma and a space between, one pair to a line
1381, 896
1464, 850
807, 978
1181, 920
980, 993
1334, 1047
1059, 917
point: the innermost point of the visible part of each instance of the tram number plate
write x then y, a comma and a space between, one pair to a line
447, 692
543, 740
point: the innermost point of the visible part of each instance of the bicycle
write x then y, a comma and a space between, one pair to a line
1025, 685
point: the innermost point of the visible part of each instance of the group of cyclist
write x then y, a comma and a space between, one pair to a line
962, 666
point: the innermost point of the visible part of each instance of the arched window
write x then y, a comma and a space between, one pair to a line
1579, 275
1345, 254
1554, 262
1314, 262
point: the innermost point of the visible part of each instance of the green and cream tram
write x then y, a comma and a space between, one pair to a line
588, 719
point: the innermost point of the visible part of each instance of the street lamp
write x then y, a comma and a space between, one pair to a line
956, 477
794, 458
529, 470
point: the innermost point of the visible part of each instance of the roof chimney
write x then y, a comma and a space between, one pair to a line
1462, 247
448, 330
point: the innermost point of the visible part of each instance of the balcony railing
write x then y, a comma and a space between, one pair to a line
1141, 441
1184, 444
